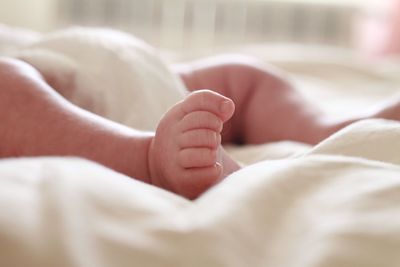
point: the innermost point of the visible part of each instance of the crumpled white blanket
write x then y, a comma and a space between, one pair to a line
322, 209
107, 72
337, 205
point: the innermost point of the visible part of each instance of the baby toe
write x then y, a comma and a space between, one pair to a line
201, 119
206, 100
199, 138
197, 157
197, 180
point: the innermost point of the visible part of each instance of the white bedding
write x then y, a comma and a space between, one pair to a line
334, 205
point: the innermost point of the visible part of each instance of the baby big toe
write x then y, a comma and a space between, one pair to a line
206, 100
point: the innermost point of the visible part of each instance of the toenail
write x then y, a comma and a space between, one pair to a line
225, 106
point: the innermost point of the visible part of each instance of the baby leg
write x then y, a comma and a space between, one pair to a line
37, 121
268, 106
185, 155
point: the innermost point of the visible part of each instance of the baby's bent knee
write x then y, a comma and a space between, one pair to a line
14, 73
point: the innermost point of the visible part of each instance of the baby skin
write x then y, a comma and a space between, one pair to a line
184, 155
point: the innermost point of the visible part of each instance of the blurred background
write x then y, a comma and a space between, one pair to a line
198, 25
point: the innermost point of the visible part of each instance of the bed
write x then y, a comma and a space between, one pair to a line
333, 205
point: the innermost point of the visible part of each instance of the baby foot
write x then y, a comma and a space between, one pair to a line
186, 155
